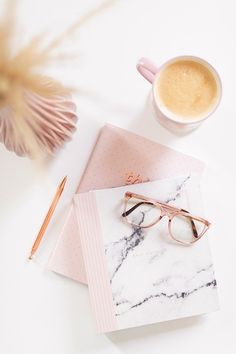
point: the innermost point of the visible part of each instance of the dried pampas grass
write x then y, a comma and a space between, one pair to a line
36, 113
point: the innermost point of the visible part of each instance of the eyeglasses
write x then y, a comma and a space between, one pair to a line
144, 212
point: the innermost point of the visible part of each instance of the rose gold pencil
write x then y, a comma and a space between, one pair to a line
48, 217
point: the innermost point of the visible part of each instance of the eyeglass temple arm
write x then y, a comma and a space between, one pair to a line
127, 212
195, 234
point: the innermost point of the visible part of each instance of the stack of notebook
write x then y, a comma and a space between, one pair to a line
155, 280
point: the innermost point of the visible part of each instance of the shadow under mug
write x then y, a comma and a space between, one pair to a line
151, 73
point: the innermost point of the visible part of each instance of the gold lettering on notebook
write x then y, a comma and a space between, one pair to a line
133, 178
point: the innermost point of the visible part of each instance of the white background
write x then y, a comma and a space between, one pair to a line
44, 313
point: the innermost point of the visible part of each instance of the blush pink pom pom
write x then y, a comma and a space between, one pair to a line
52, 121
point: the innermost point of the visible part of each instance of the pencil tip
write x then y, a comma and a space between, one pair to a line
63, 182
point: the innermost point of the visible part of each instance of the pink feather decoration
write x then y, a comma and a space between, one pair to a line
54, 121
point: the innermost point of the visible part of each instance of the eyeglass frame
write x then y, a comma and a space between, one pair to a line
166, 210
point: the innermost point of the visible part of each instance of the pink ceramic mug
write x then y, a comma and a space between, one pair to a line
171, 121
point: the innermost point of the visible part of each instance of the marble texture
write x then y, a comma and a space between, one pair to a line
152, 278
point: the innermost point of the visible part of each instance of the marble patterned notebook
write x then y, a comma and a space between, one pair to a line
141, 276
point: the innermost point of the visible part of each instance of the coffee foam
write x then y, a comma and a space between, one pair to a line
188, 89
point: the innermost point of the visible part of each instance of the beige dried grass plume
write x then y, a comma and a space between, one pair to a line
36, 115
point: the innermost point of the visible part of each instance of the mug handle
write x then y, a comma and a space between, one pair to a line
147, 69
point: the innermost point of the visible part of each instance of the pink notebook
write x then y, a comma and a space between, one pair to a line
119, 157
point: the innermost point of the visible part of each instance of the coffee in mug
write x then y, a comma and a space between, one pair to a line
186, 90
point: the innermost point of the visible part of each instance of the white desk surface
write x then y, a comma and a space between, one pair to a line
44, 313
